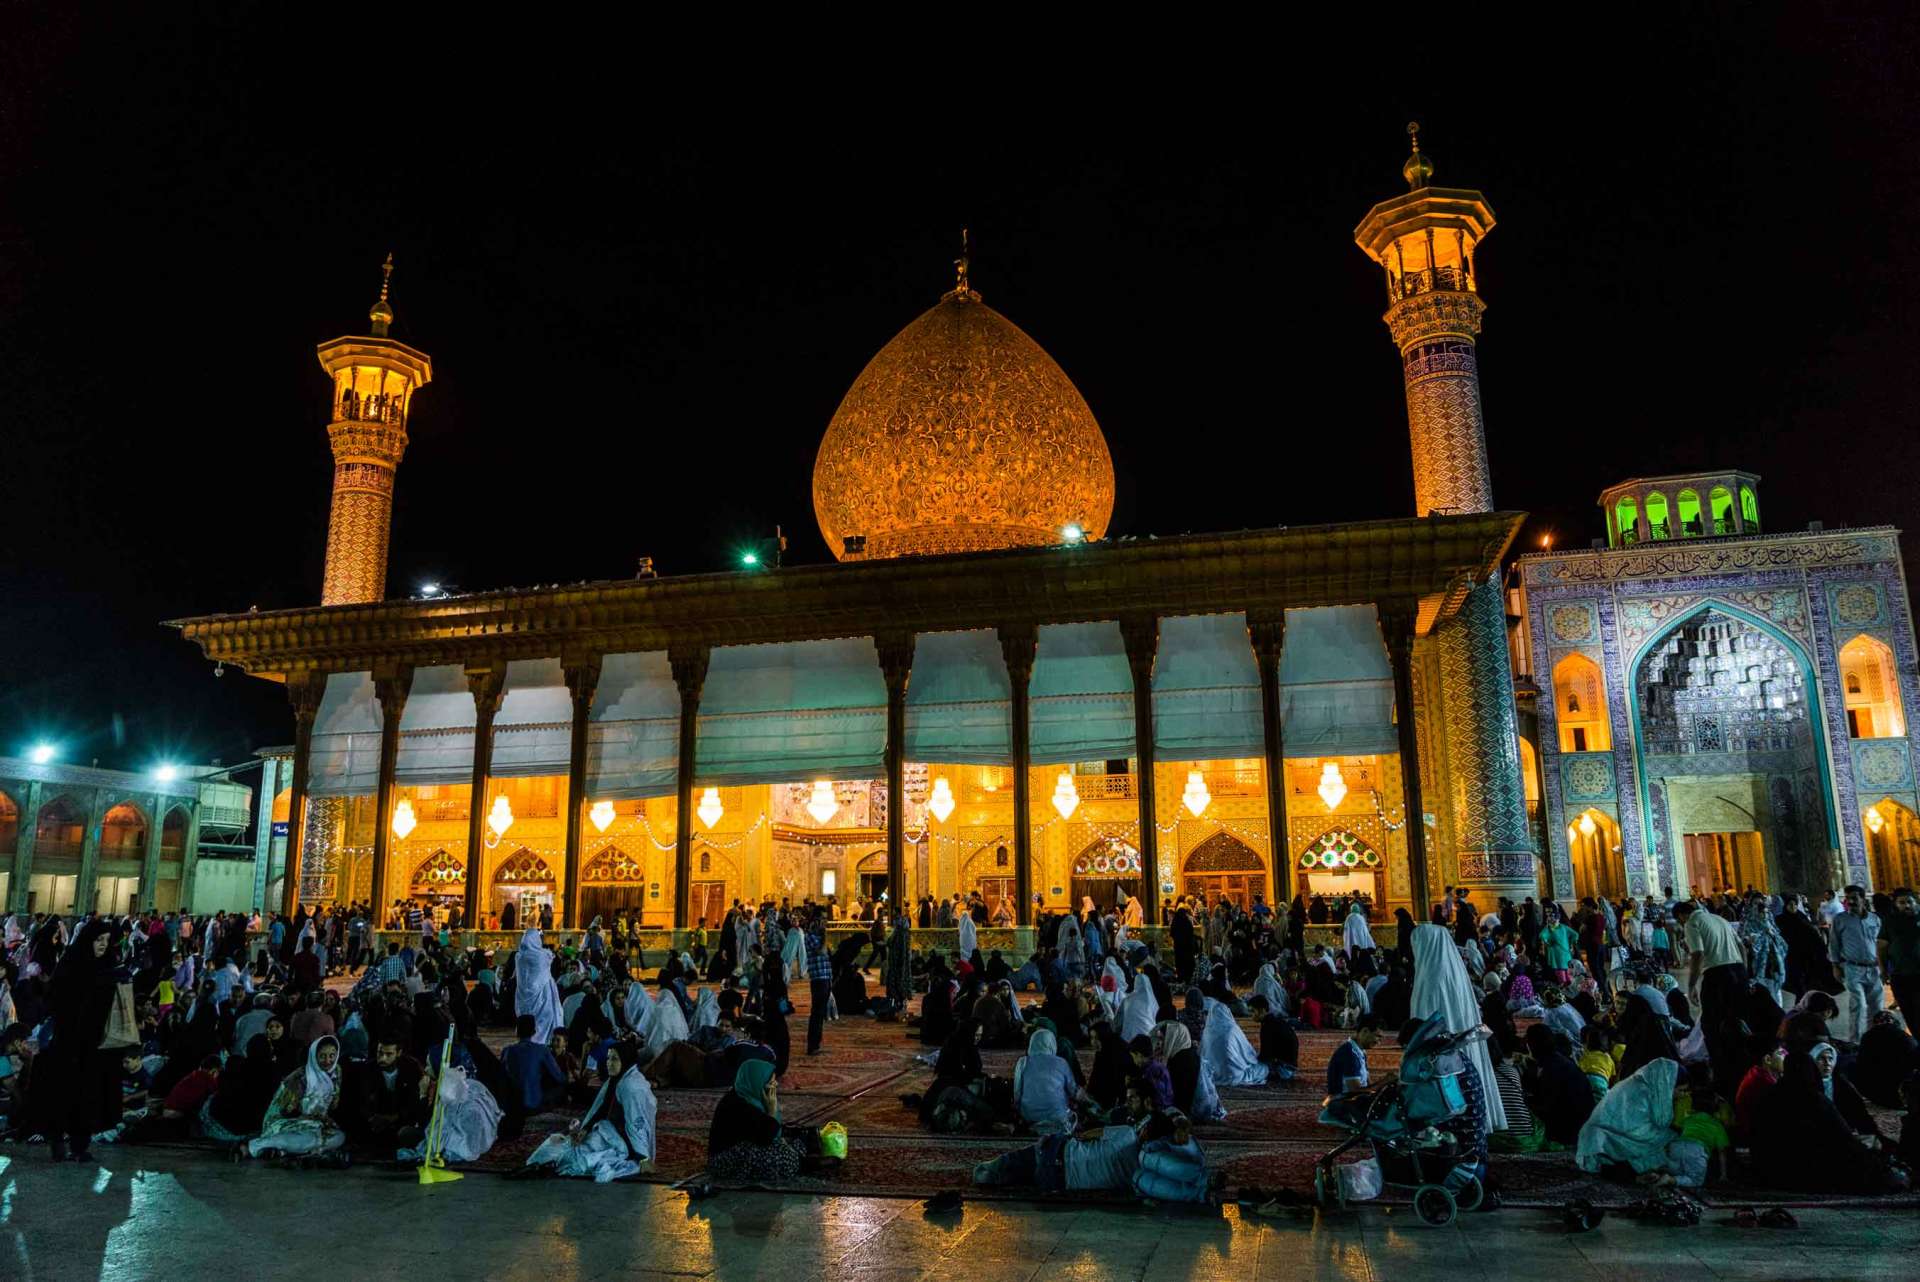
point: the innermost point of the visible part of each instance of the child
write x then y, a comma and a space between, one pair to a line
1703, 1119
1596, 1060
700, 944
1662, 944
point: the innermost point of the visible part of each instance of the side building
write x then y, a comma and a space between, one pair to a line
74, 839
1717, 706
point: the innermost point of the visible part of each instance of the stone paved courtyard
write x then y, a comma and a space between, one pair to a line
174, 1213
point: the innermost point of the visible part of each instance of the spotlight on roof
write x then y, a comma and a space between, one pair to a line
429, 590
1072, 533
166, 772
750, 559
41, 754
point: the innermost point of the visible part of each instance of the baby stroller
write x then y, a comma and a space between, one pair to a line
1418, 1126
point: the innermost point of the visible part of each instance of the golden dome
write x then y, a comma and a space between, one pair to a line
960, 435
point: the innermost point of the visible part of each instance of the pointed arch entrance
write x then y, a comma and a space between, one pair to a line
1893, 845
1104, 869
1224, 867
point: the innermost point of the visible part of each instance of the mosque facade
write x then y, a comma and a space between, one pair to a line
991, 693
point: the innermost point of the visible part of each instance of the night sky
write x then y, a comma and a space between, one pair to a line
646, 273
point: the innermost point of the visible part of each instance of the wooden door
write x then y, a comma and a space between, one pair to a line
994, 890
707, 899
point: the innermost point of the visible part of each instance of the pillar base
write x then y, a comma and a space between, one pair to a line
1491, 875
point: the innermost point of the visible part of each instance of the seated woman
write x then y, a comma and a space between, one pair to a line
1846, 1097
1112, 1068
1644, 1032
300, 1120
1267, 984
1800, 1141
1193, 1089
1043, 1088
1558, 1093
1888, 1056
956, 1101
706, 1011
246, 1086
468, 1118
615, 1137
997, 1012
746, 1142
669, 1024
1063, 1008
1632, 1131
1279, 1043
936, 1008
1229, 1055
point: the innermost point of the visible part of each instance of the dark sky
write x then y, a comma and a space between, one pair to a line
646, 271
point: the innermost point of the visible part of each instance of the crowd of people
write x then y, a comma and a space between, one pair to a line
1668, 1042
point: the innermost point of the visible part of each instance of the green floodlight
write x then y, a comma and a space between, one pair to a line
750, 559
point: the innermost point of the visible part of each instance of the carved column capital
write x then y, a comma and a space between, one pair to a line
1267, 630
896, 658
1018, 646
689, 664
1397, 622
304, 691
582, 674
391, 686
488, 682
1140, 633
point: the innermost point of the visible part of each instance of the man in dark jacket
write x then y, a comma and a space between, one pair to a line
382, 1106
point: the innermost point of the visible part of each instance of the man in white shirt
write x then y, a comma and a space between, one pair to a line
1717, 976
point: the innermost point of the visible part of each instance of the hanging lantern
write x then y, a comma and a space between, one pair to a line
1196, 796
940, 801
821, 805
602, 815
500, 818
1586, 824
1333, 788
403, 819
1066, 798
710, 808
1874, 822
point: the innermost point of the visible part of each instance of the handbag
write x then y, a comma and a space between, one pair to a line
123, 1028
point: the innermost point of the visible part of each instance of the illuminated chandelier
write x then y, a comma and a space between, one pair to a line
710, 808
1066, 798
602, 815
940, 801
403, 819
1196, 796
1587, 824
500, 818
821, 805
1333, 788
1874, 822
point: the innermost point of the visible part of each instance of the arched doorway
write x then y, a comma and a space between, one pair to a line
524, 880
870, 877
1868, 677
1893, 845
1224, 867
613, 884
1599, 868
440, 879
1728, 734
1580, 705
1104, 869
58, 835
989, 870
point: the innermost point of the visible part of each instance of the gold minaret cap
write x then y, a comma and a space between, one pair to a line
962, 290
381, 314
1419, 166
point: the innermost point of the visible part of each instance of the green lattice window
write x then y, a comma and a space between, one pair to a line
1339, 848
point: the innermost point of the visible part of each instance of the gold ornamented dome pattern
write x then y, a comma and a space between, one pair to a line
960, 435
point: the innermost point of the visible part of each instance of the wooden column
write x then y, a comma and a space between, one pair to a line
304, 690
1141, 634
391, 688
689, 664
583, 675
150, 858
23, 846
1018, 646
1396, 628
1267, 630
488, 682
896, 666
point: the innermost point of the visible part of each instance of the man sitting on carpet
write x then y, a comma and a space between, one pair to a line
1105, 1157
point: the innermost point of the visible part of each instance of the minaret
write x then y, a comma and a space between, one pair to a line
1426, 241
374, 379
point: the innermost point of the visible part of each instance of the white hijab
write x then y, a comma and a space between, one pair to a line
1267, 984
969, 933
1228, 1053
320, 1084
706, 1010
1070, 944
669, 1023
1633, 1123
1139, 1010
639, 1011
1441, 987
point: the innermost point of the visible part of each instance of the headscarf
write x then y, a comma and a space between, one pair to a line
320, 1084
1441, 987
1356, 936
706, 1010
1138, 1010
1267, 985
750, 1084
639, 1011
1169, 1038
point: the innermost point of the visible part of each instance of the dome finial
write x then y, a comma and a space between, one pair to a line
381, 314
962, 288
1419, 167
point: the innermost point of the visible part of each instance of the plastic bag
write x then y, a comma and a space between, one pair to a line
833, 1140
1360, 1181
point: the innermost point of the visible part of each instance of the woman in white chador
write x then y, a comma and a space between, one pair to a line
1267, 985
1358, 934
1113, 987
615, 1137
1139, 1010
706, 1010
300, 1120
669, 1024
639, 1012
469, 1119
1229, 1055
534, 992
1441, 987
969, 933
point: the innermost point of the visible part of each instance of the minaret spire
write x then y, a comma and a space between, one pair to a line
962, 287
381, 313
